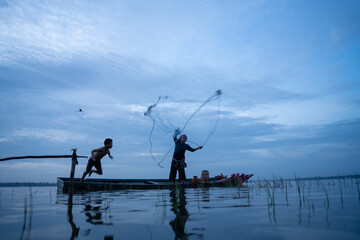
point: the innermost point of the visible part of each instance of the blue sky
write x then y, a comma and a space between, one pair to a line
289, 71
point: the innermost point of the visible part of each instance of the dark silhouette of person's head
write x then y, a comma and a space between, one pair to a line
108, 142
183, 138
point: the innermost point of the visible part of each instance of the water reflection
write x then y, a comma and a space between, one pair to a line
178, 207
75, 230
27, 221
183, 213
93, 211
205, 195
97, 211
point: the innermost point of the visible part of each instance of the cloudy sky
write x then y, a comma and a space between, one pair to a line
289, 72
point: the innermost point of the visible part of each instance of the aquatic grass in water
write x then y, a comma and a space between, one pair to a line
327, 198
298, 186
226, 213
341, 194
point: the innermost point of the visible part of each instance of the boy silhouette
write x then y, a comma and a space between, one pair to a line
95, 159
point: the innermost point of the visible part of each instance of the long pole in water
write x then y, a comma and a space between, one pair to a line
42, 156
75, 230
72, 172
73, 157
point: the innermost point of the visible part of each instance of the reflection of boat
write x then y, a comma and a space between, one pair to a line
97, 184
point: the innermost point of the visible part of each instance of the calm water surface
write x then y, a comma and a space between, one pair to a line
329, 210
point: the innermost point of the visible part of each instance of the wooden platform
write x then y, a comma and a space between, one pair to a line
98, 184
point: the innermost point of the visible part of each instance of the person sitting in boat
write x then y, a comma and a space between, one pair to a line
95, 159
178, 161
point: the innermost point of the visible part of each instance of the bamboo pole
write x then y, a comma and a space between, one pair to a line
73, 157
75, 230
74, 162
42, 156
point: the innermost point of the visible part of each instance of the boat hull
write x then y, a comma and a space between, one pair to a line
97, 184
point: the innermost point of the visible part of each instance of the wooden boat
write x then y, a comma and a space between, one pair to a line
98, 184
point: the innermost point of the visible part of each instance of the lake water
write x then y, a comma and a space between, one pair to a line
330, 209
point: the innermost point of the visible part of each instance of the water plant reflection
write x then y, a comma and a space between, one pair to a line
27, 221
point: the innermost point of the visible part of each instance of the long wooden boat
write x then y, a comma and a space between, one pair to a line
98, 184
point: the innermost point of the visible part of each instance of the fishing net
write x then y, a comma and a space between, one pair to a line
171, 117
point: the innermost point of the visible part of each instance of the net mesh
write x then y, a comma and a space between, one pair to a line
172, 117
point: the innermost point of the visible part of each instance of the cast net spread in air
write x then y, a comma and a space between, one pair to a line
172, 116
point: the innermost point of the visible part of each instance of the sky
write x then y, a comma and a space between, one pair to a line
289, 72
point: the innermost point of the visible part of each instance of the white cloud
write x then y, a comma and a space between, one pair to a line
258, 152
33, 165
55, 135
146, 154
288, 134
4, 139
46, 31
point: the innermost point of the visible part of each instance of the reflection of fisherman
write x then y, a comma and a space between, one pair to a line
178, 160
178, 204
